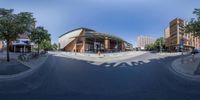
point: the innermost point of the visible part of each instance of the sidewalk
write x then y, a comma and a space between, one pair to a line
3, 55
106, 57
12, 67
188, 67
167, 54
16, 69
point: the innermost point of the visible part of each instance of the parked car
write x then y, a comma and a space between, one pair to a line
195, 51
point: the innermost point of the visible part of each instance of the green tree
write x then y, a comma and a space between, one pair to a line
54, 46
150, 47
194, 25
159, 43
11, 25
46, 45
39, 35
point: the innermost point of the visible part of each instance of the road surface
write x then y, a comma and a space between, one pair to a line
69, 79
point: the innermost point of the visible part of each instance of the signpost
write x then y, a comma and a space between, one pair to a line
182, 46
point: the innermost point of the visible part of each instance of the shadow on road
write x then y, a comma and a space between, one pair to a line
70, 79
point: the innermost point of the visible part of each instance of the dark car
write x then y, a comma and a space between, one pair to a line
195, 51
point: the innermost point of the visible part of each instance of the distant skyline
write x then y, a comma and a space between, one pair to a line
124, 18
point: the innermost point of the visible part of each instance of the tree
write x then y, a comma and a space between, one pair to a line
46, 45
39, 35
150, 47
159, 43
11, 25
55, 46
194, 25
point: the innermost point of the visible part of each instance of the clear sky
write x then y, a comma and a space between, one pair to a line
123, 18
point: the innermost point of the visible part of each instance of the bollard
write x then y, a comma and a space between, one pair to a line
182, 58
193, 57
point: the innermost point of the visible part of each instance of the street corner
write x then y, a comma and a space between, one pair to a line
17, 69
35, 62
11, 69
187, 67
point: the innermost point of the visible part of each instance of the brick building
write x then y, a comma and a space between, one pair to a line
176, 37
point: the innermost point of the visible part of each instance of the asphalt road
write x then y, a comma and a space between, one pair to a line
68, 79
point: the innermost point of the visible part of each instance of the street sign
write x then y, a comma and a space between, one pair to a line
181, 44
181, 33
182, 39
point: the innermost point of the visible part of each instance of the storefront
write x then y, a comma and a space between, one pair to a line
22, 45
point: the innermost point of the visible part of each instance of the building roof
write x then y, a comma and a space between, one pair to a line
23, 36
22, 42
98, 34
93, 33
86, 29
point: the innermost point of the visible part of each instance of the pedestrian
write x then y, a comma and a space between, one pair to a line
99, 53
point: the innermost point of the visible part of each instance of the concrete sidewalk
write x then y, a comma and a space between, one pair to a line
106, 57
3, 55
16, 69
189, 66
12, 67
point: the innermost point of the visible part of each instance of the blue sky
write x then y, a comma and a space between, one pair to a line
124, 18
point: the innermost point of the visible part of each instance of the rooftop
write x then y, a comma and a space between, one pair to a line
83, 28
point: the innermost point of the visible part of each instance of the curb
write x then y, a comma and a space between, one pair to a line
22, 74
101, 59
181, 74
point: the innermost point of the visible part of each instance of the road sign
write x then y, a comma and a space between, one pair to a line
181, 33
181, 44
182, 39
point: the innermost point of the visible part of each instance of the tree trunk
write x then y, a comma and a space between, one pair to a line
38, 49
7, 51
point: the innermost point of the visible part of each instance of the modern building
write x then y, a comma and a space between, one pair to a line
178, 39
142, 41
167, 37
88, 40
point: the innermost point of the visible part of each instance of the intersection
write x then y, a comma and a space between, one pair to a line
64, 78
